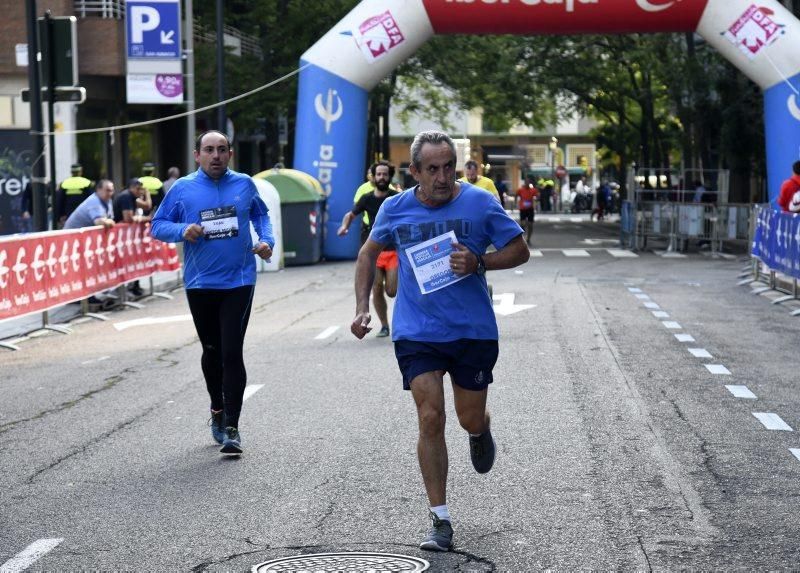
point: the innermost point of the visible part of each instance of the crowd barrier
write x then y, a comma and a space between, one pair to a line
717, 225
41, 271
775, 254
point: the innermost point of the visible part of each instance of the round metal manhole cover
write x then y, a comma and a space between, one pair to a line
343, 563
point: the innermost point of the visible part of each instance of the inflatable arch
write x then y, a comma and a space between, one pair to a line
760, 37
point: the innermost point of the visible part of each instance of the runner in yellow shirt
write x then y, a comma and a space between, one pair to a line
471, 176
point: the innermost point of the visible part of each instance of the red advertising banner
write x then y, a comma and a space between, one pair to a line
563, 16
44, 270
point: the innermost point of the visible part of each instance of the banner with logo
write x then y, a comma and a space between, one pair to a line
777, 241
15, 175
43, 270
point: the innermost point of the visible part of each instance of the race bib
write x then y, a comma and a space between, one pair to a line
526, 204
219, 223
431, 263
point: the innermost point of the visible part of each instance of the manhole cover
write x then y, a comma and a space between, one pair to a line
343, 563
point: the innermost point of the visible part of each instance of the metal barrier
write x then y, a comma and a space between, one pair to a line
771, 231
680, 223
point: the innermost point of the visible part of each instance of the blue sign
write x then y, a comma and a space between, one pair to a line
153, 29
777, 241
331, 144
782, 130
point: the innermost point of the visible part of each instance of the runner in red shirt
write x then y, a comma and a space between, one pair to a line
789, 188
526, 195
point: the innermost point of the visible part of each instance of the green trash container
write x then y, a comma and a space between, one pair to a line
302, 209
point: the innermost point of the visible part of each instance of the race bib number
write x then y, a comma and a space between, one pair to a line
431, 263
219, 223
526, 204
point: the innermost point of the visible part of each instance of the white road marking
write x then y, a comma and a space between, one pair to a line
741, 392
685, 338
651, 304
519, 272
575, 253
251, 389
795, 452
30, 555
95, 360
622, 254
326, 333
537, 253
634, 289
660, 314
671, 324
700, 353
717, 369
669, 255
643, 296
149, 320
505, 304
772, 421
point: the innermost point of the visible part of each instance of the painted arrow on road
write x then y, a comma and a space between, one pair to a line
505, 304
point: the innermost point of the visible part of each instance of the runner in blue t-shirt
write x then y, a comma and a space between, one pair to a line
443, 319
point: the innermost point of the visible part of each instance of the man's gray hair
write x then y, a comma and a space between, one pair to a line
434, 138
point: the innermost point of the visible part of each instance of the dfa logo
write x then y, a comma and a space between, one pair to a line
754, 31
378, 35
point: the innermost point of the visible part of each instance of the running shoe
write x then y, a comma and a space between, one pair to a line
440, 537
232, 444
481, 450
383, 333
217, 423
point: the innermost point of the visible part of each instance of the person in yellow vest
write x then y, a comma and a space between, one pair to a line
71, 193
367, 187
152, 185
471, 176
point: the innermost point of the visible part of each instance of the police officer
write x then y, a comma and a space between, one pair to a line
152, 185
71, 193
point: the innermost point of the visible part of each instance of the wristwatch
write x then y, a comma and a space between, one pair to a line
481, 270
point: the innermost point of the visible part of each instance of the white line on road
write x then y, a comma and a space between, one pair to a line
643, 296
671, 324
660, 314
251, 389
622, 254
741, 392
85, 362
537, 253
575, 253
685, 338
148, 320
326, 333
717, 369
634, 290
795, 452
772, 421
30, 555
651, 305
700, 353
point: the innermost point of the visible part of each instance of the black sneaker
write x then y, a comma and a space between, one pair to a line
217, 423
383, 333
440, 537
232, 443
481, 450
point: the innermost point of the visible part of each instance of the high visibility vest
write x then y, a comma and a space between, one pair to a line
75, 185
152, 184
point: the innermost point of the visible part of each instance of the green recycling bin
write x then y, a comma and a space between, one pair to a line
302, 210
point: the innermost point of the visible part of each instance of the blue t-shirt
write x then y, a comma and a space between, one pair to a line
222, 258
92, 208
463, 309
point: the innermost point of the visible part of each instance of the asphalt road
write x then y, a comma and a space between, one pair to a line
618, 448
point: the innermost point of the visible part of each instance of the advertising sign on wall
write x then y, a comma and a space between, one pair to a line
15, 174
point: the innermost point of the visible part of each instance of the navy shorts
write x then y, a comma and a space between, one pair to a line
468, 361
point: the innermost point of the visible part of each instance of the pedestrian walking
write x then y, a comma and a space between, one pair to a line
443, 320
386, 266
211, 210
526, 195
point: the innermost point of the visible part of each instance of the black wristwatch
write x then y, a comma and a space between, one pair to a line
481, 270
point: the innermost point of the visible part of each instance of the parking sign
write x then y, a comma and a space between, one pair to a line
153, 29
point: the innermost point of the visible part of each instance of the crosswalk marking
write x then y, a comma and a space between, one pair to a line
576, 253
591, 251
741, 392
700, 353
772, 421
622, 253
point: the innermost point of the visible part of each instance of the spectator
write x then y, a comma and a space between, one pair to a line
173, 173
130, 205
789, 188
96, 209
699, 192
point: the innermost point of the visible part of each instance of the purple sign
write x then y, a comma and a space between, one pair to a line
169, 85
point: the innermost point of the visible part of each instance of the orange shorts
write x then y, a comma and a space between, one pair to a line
387, 260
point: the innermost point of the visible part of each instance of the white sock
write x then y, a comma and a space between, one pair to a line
441, 512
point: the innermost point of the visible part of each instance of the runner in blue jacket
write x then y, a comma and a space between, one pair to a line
211, 209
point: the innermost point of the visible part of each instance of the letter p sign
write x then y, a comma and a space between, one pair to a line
143, 19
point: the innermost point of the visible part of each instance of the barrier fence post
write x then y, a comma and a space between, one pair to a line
85, 311
54, 327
